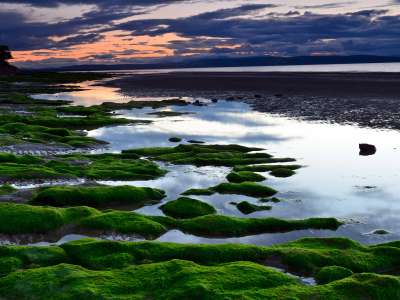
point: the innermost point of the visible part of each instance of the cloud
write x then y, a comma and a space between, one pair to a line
326, 6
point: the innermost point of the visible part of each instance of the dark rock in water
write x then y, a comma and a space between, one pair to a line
278, 95
240, 98
197, 101
367, 149
195, 142
175, 139
257, 96
214, 100
230, 99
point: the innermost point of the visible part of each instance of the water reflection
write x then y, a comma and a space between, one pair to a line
327, 187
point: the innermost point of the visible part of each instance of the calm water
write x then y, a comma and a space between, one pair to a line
331, 184
377, 67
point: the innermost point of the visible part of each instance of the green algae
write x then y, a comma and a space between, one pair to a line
7, 189
13, 258
195, 142
282, 172
242, 176
106, 168
198, 192
175, 139
179, 279
50, 121
248, 208
27, 100
95, 196
80, 157
23, 159
245, 188
265, 168
186, 208
273, 199
332, 273
39, 219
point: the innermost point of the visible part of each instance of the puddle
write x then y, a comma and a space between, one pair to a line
337, 181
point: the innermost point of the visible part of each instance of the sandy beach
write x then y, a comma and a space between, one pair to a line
365, 99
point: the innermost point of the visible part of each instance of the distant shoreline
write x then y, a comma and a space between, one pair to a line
366, 99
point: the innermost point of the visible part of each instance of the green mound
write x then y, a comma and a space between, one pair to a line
175, 139
245, 188
195, 142
265, 168
273, 199
186, 208
282, 172
59, 131
248, 208
23, 159
38, 219
106, 167
13, 258
244, 176
329, 274
93, 121
198, 192
79, 157
7, 189
95, 196
219, 155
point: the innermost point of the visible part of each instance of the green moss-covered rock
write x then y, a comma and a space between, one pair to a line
58, 131
13, 171
265, 168
248, 208
244, 176
245, 188
7, 189
95, 196
329, 274
112, 261
179, 279
195, 142
198, 192
273, 199
186, 208
23, 159
175, 139
282, 172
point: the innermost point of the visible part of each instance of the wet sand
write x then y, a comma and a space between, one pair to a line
365, 99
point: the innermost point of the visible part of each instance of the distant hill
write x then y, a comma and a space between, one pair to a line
241, 62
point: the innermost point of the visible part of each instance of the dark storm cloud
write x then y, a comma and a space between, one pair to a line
292, 34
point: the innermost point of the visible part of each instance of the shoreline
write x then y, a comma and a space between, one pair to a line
365, 99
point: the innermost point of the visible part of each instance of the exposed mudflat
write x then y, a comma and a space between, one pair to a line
364, 99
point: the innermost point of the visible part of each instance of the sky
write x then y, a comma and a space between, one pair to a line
43, 33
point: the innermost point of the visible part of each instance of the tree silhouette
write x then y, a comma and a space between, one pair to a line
5, 54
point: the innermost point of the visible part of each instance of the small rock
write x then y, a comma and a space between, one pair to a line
230, 99
367, 147
149, 262
197, 101
278, 95
257, 96
37, 266
214, 100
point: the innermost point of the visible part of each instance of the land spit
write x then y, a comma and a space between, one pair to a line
364, 99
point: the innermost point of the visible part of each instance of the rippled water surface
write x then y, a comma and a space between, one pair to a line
332, 183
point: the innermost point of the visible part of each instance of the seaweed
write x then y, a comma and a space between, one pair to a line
332, 273
281, 172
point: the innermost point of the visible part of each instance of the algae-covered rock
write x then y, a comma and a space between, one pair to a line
112, 261
248, 208
198, 192
265, 168
244, 176
7, 189
273, 199
328, 274
175, 139
282, 172
95, 196
186, 208
23, 159
195, 142
245, 188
